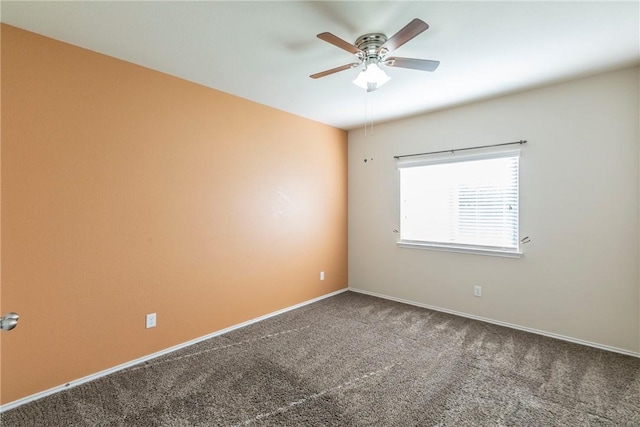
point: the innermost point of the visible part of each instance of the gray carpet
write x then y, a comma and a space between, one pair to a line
356, 360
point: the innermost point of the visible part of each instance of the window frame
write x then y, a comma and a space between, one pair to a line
457, 157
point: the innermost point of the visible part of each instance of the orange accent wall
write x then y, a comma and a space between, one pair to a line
126, 191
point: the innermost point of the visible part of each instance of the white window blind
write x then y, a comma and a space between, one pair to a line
461, 202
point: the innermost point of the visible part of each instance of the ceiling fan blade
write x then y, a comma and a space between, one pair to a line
334, 70
411, 30
337, 41
414, 64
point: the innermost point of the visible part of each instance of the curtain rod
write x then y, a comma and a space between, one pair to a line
522, 141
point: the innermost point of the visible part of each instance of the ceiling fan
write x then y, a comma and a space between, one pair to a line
372, 50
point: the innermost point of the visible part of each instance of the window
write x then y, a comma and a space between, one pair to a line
462, 203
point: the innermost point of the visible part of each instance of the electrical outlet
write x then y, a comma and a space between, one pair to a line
322, 275
477, 291
151, 320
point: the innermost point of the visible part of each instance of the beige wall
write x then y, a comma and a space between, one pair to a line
126, 191
579, 205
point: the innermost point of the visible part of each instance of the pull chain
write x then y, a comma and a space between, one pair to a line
368, 127
368, 117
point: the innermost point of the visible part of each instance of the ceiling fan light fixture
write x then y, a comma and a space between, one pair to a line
371, 49
371, 78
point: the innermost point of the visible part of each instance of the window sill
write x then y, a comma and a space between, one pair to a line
461, 249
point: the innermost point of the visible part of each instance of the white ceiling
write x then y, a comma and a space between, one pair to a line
264, 51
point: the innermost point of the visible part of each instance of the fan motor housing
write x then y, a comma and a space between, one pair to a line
370, 43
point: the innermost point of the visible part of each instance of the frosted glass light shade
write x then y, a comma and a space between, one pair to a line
371, 78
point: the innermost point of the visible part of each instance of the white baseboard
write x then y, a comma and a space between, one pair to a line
500, 323
100, 374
